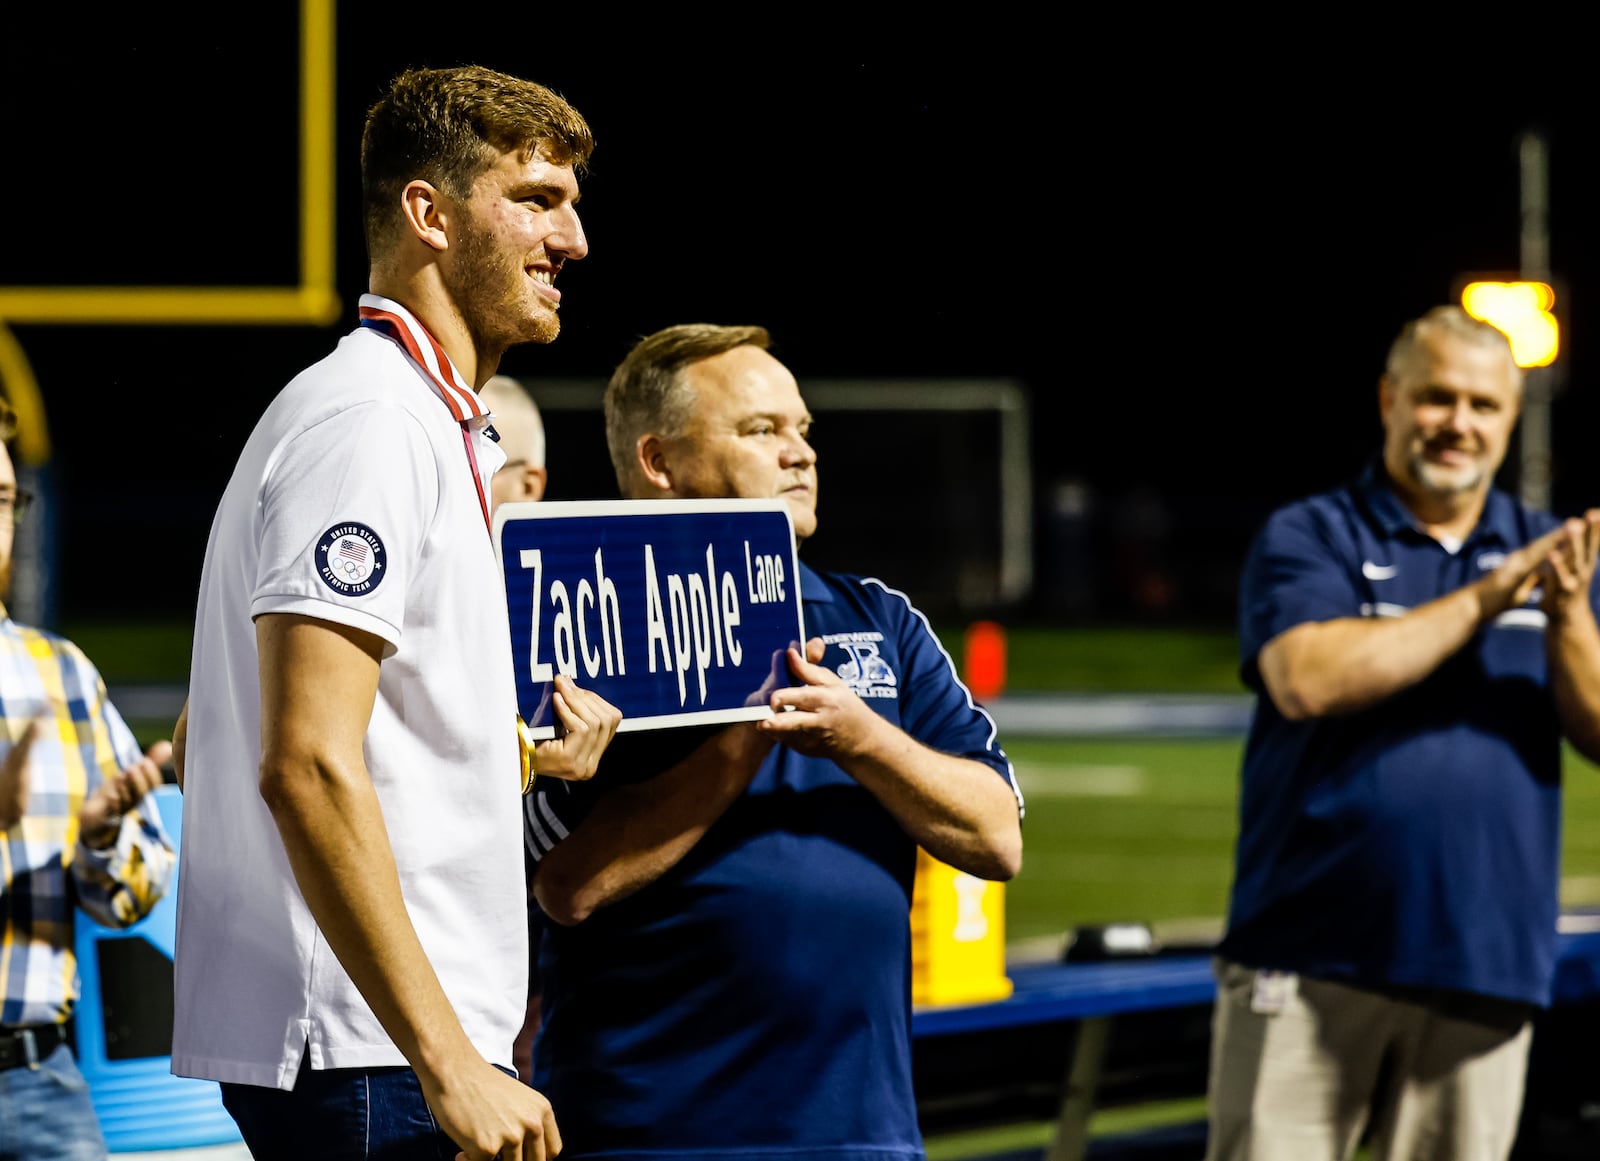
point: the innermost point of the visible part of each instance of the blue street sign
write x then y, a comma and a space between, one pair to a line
675, 611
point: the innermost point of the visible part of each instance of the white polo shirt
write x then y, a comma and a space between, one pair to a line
354, 502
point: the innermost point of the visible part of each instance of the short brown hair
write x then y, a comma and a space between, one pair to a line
8, 421
446, 126
649, 394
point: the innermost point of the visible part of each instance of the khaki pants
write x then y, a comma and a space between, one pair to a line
1299, 1066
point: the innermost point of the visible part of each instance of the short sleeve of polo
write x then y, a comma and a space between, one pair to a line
935, 707
1297, 571
344, 512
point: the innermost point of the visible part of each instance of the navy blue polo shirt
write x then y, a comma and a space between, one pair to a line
755, 1000
1415, 843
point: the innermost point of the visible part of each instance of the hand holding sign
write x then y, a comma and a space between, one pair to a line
588, 722
823, 717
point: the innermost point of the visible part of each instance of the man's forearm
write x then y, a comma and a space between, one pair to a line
958, 809
1349, 664
636, 833
1572, 648
180, 743
333, 832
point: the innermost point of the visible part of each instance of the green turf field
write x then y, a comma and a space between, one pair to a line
1121, 830
1117, 829
1125, 659
1142, 829
1122, 659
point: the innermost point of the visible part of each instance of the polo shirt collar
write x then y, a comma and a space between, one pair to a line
388, 317
1497, 521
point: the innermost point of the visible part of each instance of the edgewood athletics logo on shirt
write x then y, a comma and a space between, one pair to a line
350, 559
867, 673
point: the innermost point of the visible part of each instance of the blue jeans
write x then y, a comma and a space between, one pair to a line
46, 1113
339, 1114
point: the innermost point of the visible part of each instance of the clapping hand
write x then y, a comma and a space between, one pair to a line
100, 817
1568, 567
821, 717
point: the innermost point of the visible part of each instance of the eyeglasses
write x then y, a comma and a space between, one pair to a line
13, 503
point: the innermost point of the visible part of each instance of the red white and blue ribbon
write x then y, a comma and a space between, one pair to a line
389, 318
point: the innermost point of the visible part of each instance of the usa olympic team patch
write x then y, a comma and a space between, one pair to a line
350, 559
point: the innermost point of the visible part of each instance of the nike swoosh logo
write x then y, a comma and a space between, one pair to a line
1378, 571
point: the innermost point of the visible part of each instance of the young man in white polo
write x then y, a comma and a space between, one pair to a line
352, 937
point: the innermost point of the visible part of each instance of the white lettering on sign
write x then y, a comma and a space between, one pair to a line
561, 629
678, 611
568, 650
695, 626
763, 577
692, 627
655, 621
730, 615
538, 672
610, 621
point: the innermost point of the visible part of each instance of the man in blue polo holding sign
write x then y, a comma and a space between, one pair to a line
728, 967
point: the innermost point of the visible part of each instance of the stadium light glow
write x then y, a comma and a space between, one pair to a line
1522, 311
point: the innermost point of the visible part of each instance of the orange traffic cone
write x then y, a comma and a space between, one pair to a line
985, 660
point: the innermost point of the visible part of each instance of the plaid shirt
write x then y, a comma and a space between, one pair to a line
44, 869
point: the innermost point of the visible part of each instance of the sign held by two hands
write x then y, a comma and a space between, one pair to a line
677, 612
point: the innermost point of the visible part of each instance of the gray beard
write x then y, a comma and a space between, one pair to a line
1428, 477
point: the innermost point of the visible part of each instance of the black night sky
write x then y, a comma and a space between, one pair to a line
1191, 253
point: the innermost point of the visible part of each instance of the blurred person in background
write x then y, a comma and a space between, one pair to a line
1419, 644
727, 965
352, 928
522, 478
76, 828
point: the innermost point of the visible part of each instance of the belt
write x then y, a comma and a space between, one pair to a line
20, 1046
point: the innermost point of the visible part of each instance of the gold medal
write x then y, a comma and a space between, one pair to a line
526, 744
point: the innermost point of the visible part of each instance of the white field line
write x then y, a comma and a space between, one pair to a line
1576, 890
1081, 780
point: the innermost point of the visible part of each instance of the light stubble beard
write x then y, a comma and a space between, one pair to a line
494, 312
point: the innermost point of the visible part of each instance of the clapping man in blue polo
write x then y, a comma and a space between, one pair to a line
1419, 643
